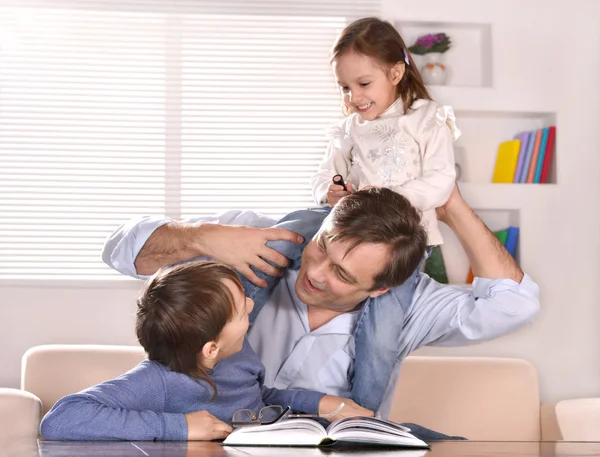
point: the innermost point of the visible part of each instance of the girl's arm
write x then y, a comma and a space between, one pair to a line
337, 160
130, 407
433, 188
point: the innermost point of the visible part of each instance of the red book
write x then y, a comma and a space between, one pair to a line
548, 156
470, 276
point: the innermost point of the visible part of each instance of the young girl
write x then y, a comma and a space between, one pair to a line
192, 321
394, 136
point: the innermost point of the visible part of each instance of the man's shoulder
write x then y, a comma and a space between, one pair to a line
244, 217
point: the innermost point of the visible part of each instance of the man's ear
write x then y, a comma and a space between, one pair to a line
378, 292
397, 72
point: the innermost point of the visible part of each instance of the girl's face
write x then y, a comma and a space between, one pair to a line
231, 338
366, 88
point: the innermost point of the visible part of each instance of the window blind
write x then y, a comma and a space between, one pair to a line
111, 109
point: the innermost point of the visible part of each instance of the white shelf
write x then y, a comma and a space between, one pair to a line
469, 60
491, 100
482, 196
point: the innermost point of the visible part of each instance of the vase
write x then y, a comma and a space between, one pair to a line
434, 72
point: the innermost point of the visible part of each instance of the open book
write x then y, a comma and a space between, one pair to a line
308, 432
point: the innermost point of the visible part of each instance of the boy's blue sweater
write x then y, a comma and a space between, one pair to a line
150, 401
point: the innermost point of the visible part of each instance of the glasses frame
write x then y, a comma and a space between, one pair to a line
285, 414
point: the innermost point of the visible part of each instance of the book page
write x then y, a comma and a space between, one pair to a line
373, 430
288, 432
373, 423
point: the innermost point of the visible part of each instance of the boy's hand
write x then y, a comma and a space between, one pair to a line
203, 426
335, 192
330, 403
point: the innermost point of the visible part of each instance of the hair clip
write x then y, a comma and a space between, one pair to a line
406, 60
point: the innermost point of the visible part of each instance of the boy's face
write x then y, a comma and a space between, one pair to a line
366, 88
231, 338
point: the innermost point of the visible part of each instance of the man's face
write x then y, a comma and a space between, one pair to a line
330, 278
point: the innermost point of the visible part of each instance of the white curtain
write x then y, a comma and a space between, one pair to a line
111, 109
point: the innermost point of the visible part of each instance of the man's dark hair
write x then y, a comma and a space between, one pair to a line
380, 215
180, 309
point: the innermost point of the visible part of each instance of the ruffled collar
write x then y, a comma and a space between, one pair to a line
395, 109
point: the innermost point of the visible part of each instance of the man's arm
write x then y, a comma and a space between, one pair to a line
143, 245
488, 258
502, 299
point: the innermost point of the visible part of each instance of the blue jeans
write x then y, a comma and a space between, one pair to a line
379, 326
303, 222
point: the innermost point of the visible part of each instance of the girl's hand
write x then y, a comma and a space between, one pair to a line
335, 192
203, 426
329, 403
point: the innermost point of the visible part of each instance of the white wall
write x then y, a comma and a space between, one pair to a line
546, 55
545, 52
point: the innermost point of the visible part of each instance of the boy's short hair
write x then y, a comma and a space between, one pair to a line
180, 309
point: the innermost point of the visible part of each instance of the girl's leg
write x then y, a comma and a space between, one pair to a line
303, 222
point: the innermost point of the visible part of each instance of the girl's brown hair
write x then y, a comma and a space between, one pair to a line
182, 308
379, 40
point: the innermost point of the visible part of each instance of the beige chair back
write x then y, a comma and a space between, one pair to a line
487, 399
20, 415
579, 419
53, 371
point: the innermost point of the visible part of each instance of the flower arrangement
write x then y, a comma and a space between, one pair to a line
432, 42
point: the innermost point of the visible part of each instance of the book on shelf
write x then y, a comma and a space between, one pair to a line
540, 161
523, 137
549, 152
512, 236
534, 156
310, 433
526, 158
506, 161
435, 267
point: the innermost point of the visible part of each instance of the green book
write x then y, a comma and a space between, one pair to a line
434, 266
502, 236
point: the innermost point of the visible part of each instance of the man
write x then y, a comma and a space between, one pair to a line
304, 334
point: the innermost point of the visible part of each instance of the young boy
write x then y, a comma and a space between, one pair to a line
192, 321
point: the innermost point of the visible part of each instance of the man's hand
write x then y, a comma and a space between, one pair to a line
242, 247
335, 192
203, 426
330, 403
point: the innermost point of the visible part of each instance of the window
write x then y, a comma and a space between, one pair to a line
111, 109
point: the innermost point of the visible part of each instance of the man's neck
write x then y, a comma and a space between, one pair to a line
318, 317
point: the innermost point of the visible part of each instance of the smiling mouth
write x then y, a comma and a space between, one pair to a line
364, 107
310, 287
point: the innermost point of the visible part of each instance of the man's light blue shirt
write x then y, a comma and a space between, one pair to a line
322, 360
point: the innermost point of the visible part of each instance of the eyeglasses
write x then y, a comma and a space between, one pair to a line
271, 414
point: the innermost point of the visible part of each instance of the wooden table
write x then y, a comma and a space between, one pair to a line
201, 449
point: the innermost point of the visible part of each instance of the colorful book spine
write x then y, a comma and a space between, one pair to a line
540, 161
506, 161
523, 137
549, 153
527, 161
534, 156
511, 240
